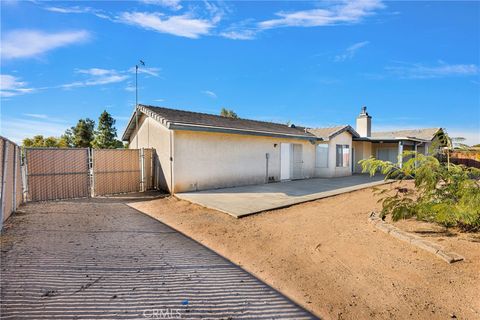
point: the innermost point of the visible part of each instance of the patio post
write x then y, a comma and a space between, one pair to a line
400, 153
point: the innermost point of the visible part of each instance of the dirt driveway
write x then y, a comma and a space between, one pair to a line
104, 260
327, 256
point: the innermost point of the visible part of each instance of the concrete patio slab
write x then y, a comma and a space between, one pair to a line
243, 201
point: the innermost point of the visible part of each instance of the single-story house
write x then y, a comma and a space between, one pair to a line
198, 151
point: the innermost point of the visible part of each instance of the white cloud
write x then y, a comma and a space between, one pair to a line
171, 4
32, 43
36, 115
346, 12
181, 25
12, 86
209, 93
351, 51
75, 9
96, 72
18, 129
97, 76
247, 34
420, 71
154, 72
78, 9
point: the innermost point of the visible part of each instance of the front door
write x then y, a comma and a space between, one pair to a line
297, 161
285, 161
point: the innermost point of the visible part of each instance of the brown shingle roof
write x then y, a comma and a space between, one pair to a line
326, 133
423, 134
209, 120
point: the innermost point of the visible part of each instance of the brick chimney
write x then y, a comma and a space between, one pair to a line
364, 123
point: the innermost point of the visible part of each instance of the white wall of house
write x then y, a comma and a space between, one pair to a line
345, 138
204, 160
152, 134
209, 160
362, 150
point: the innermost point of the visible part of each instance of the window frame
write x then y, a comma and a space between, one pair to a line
325, 146
339, 155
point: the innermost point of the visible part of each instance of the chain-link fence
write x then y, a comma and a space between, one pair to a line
10, 177
54, 174
122, 170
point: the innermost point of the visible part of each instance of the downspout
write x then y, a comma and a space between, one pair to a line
267, 156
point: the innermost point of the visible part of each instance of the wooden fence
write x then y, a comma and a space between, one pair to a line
469, 158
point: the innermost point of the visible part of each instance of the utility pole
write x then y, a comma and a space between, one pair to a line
136, 100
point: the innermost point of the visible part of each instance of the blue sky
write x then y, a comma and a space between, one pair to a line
413, 64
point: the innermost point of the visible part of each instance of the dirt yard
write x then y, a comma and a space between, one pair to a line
326, 256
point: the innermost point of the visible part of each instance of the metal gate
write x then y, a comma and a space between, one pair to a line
57, 173
53, 174
116, 171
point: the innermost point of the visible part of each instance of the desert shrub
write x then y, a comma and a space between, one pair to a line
447, 194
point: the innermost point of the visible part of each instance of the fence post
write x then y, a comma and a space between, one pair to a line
4, 178
25, 175
90, 172
142, 169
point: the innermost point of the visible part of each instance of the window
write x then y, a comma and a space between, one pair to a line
343, 155
321, 160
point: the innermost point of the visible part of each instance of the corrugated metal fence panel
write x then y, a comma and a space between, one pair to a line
10, 177
18, 177
2, 143
148, 170
8, 206
57, 173
116, 171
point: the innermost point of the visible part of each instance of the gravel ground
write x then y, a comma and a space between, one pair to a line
100, 259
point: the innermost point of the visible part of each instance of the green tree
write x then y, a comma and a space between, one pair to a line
66, 139
40, 141
36, 141
83, 133
51, 142
447, 194
106, 133
228, 113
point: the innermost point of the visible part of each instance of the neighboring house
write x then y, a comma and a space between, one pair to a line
198, 151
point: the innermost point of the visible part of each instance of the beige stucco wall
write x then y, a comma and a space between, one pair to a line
332, 170
208, 160
152, 134
204, 160
363, 150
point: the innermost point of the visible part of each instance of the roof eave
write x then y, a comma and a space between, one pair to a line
193, 127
